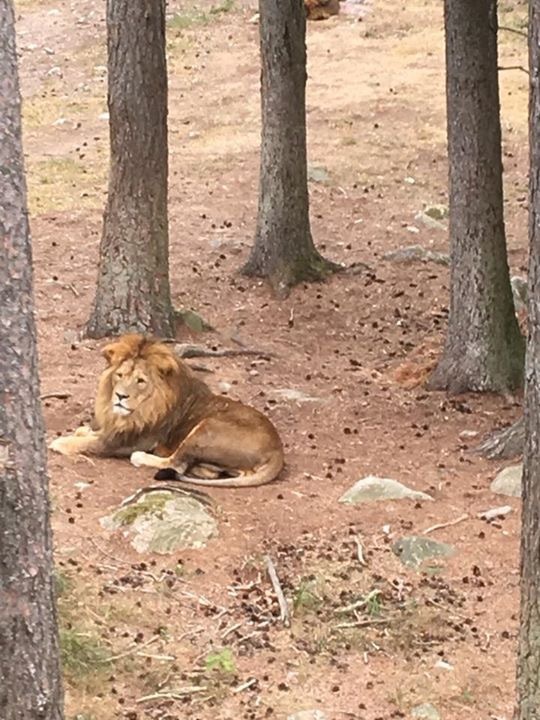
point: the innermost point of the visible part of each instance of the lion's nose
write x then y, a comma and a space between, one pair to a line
121, 397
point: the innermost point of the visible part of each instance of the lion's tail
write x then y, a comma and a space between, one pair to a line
265, 473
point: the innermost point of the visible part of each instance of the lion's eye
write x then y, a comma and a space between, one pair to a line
119, 375
141, 381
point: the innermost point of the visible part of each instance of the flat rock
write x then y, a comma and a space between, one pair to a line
416, 253
426, 711
429, 221
415, 550
508, 481
163, 522
372, 488
308, 715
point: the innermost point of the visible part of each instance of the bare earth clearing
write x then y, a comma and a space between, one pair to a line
376, 124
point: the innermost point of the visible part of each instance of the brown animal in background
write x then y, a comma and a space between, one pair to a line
148, 400
321, 9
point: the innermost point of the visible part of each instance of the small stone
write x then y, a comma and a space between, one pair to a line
429, 222
318, 174
224, 387
468, 434
55, 71
508, 481
443, 665
414, 550
372, 488
308, 715
103, 116
426, 711
436, 212
409, 180
412, 229
495, 513
254, 19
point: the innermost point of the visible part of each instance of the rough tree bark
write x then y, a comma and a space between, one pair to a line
283, 250
528, 669
30, 685
484, 348
504, 444
133, 292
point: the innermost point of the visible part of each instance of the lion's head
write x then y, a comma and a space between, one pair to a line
140, 384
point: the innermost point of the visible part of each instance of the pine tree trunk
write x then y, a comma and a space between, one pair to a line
528, 671
30, 685
133, 292
283, 250
484, 348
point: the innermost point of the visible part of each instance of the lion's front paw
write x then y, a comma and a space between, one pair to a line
83, 431
61, 445
137, 458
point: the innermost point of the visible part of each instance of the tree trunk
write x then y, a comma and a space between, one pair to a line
504, 444
30, 685
133, 292
484, 348
283, 250
528, 670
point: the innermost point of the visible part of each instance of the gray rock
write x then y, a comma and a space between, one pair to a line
416, 253
308, 715
415, 550
495, 513
426, 711
372, 488
318, 174
436, 212
508, 481
163, 522
429, 222
519, 291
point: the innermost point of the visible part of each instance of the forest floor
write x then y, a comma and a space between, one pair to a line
359, 344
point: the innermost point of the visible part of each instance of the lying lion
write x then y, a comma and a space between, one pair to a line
150, 406
321, 9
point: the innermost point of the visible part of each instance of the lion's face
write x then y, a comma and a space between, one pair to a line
132, 385
139, 381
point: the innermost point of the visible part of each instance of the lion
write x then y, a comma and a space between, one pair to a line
151, 407
321, 9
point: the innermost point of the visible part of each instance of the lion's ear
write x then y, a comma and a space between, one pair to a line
166, 364
109, 352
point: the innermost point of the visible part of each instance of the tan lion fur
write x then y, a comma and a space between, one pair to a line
148, 400
321, 9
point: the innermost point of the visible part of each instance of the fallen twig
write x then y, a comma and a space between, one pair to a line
360, 552
231, 629
513, 67
185, 350
363, 623
58, 394
133, 649
439, 526
244, 686
179, 694
198, 495
274, 579
513, 30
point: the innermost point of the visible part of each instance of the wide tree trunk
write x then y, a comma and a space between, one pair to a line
484, 348
283, 250
30, 685
528, 671
133, 292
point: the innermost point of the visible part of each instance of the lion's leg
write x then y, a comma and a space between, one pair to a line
180, 459
81, 442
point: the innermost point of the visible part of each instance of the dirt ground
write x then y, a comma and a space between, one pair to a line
203, 626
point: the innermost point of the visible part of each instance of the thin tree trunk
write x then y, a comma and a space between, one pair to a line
528, 672
30, 685
283, 250
133, 292
484, 348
